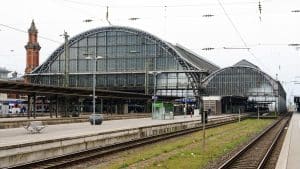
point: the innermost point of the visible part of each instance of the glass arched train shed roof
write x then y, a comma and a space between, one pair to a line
129, 57
246, 80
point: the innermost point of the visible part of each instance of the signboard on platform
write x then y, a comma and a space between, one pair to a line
188, 100
158, 105
154, 97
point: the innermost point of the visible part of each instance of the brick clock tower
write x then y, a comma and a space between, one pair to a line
32, 50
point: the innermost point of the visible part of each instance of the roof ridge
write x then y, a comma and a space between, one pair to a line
197, 55
245, 62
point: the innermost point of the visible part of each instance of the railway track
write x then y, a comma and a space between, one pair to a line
256, 154
75, 158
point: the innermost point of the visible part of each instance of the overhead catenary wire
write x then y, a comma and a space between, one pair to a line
233, 25
239, 34
158, 6
23, 31
184, 5
260, 9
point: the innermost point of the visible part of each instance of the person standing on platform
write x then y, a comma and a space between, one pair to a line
190, 111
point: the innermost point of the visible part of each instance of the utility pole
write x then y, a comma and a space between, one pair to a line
186, 97
276, 103
260, 9
107, 16
258, 111
146, 77
239, 114
66, 49
203, 121
154, 96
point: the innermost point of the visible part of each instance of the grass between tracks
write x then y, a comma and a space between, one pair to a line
187, 151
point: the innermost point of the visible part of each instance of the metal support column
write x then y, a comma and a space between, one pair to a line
239, 114
66, 106
56, 106
185, 100
29, 107
258, 112
51, 106
203, 121
34, 106
66, 49
101, 106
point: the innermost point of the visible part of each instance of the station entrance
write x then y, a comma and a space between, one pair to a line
297, 103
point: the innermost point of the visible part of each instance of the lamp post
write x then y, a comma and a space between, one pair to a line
239, 114
155, 73
94, 58
66, 49
185, 101
186, 97
258, 110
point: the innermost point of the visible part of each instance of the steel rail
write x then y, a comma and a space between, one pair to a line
251, 144
272, 147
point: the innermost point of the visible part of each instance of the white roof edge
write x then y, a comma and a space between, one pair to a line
194, 53
211, 97
182, 57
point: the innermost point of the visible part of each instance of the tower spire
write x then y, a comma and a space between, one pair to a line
32, 28
32, 49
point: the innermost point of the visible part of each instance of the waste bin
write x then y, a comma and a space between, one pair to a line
75, 111
98, 119
75, 114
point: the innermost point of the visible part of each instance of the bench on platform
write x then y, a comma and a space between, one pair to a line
34, 126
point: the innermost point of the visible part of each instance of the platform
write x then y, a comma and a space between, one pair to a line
85, 115
16, 136
17, 146
15, 122
290, 153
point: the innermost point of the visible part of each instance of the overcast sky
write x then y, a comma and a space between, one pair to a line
176, 21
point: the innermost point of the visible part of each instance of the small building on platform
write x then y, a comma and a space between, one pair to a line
163, 110
297, 103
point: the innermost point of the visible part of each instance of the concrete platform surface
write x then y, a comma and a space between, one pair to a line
290, 153
13, 119
16, 136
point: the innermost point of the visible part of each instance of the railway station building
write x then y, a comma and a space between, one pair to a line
125, 59
243, 87
132, 60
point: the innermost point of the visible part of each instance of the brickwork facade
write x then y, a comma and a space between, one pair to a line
32, 49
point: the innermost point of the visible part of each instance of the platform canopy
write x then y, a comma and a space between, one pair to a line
31, 89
